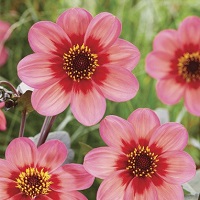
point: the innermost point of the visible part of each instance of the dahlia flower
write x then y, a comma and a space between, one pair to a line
144, 160
2, 118
4, 26
31, 173
175, 63
79, 60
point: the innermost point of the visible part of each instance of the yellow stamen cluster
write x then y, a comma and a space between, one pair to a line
189, 67
32, 182
80, 63
142, 162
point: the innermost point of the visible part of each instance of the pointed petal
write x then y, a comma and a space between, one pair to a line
189, 27
158, 64
75, 22
21, 152
111, 188
176, 167
87, 104
71, 177
139, 189
169, 91
72, 195
117, 132
48, 37
100, 162
51, 154
119, 84
145, 121
122, 53
52, 100
20, 196
166, 41
169, 137
102, 32
40, 70
192, 96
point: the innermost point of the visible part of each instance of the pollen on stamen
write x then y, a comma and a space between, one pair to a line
33, 182
80, 63
141, 162
189, 67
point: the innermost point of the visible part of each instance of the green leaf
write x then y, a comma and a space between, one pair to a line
85, 148
24, 102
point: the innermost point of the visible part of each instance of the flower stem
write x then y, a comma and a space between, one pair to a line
48, 123
23, 122
181, 115
10, 86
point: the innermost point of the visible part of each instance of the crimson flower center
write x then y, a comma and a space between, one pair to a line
142, 162
32, 182
189, 67
80, 63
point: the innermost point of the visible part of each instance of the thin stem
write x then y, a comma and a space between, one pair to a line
23, 123
10, 86
181, 115
48, 123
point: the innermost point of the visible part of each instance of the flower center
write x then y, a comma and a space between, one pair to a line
33, 182
141, 162
189, 66
80, 63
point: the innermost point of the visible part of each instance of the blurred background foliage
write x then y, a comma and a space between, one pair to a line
141, 21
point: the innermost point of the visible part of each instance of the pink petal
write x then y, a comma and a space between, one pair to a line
43, 197
7, 188
167, 191
3, 55
158, 64
75, 22
166, 41
192, 96
187, 29
52, 100
87, 104
118, 85
100, 162
122, 54
117, 132
7, 169
51, 155
48, 37
176, 167
21, 152
169, 137
102, 32
20, 196
40, 70
2, 121
141, 188
111, 188
145, 121
169, 91
72, 195
71, 177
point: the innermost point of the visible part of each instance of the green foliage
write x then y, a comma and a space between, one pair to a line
141, 20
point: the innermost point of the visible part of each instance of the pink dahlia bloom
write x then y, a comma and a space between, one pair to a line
175, 63
31, 173
79, 60
4, 26
2, 118
144, 160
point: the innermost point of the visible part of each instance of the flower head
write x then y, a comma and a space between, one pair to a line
35, 173
143, 159
4, 26
2, 118
175, 63
79, 60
